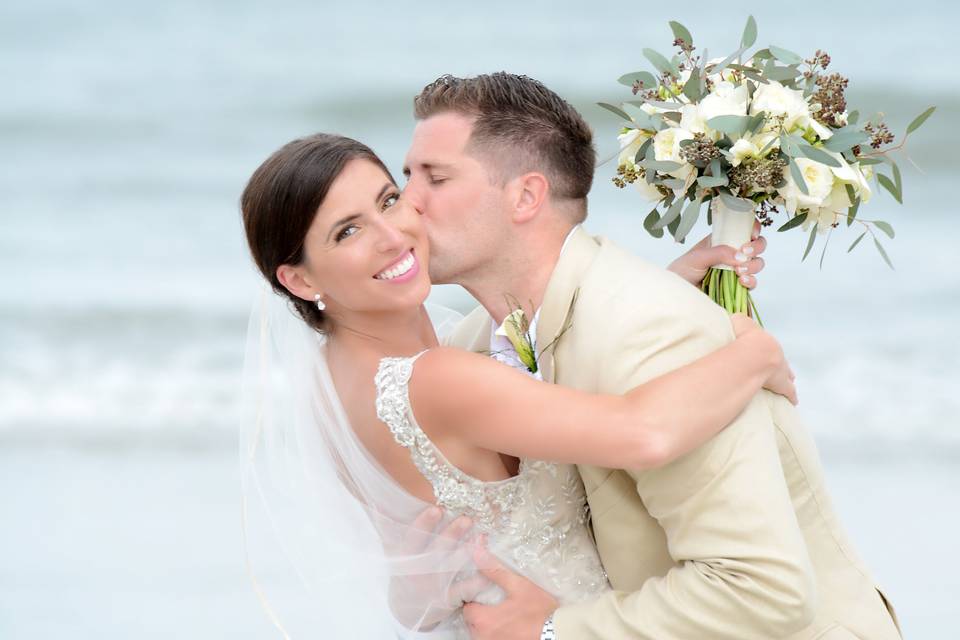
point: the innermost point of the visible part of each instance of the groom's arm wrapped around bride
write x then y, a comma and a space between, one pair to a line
709, 545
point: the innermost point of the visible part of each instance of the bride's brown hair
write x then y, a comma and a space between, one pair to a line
281, 200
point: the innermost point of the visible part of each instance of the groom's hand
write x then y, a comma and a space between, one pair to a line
520, 616
693, 265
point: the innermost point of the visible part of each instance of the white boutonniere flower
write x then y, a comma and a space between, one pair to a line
516, 329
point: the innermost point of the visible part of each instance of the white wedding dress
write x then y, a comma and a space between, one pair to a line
536, 521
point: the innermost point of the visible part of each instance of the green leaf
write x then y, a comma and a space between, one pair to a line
798, 177
718, 68
885, 227
756, 122
785, 56
818, 155
919, 120
857, 241
826, 244
680, 31
660, 165
672, 227
648, 79
795, 221
780, 74
840, 141
853, 117
708, 182
897, 179
789, 146
810, 242
662, 64
866, 162
852, 212
883, 252
730, 125
888, 184
749, 33
737, 204
642, 151
690, 216
672, 214
691, 88
616, 110
650, 221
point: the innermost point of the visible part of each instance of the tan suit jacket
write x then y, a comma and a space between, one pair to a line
738, 539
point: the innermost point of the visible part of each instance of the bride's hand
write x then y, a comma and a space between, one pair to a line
782, 380
693, 265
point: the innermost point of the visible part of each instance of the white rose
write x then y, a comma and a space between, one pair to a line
778, 100
741, 150
821, 216
819, 179
647, 191
852, 175
841, 119
666, 148
630, 143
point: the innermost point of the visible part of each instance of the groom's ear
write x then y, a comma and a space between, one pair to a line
529, 194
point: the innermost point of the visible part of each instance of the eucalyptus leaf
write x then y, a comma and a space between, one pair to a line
660, 165
756, 122
648, 79
715, 169
650, 221
749, 33
673, 183
888, 184
731, 125
883, 252
897, 178
857, 241
673, 226
680, 31
672, 213
662, 64
818, 155
798, 177
785, 56
885, 227
709, 182
842, 140
642, 151
852, 212
718, 68
735, 203
851, 195
781, 74
616, 110
810, 242
826, 244
853, 117
866, 162
919, 120
690, 216
788, 146
691, 88
795, 221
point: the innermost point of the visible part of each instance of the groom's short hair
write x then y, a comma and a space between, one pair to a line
520, 125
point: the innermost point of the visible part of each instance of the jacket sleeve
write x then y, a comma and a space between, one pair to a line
742, 569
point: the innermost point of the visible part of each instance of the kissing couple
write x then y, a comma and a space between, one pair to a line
597, 451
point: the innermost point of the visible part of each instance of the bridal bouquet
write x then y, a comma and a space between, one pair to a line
754, 136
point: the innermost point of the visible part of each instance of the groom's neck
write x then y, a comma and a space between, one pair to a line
519, 275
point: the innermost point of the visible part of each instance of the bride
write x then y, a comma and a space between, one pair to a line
382, 464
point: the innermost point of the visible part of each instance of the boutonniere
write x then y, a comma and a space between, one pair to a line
516, 329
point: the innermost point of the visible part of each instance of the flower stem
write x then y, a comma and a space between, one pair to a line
723, 287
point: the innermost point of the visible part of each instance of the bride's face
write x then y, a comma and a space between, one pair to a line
366, 250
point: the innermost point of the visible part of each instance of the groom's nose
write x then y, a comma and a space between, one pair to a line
413, 194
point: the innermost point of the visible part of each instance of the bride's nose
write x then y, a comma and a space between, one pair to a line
390, 236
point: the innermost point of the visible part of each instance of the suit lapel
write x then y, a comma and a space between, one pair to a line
560, 296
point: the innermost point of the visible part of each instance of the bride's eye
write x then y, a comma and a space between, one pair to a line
389, 201
346, 232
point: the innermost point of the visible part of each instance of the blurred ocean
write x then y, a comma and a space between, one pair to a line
128, 130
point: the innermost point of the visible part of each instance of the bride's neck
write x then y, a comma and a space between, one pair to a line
384, 334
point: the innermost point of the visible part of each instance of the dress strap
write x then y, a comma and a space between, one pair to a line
393, 398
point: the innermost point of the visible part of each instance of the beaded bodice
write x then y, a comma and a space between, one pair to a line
536, 521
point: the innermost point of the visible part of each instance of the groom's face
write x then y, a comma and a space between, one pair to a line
463, 207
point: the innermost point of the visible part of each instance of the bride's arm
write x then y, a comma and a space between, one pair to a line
475, 399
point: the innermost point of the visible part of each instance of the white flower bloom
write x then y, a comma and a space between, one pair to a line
819, 179
666, 148
726, 99
841, 119
647, 191
778, 100
630, 143
743, 149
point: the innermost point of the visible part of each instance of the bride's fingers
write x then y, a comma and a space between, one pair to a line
421, 529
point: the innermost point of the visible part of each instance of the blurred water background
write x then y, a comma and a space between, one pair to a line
127, 132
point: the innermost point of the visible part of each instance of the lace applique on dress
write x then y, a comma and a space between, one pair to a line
537, 519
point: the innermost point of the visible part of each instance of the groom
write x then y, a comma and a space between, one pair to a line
738, 539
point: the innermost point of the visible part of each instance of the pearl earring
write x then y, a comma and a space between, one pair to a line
320, 304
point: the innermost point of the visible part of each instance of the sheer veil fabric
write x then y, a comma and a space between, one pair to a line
328, 534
